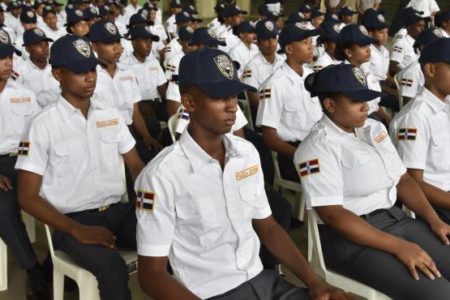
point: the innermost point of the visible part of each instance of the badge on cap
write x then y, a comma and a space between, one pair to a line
437, 32
381, 18
4, 38
334, 16
191, 7
186, 14
359, 75
189, 29
307, 6
92, 10
269, 25
79, 13
301, 15
225, 66
82, 47
70, 6
301, 25
38, 32
30, 14
111, 28
363, 30
336, 28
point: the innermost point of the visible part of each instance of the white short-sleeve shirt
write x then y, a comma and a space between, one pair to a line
18, 106
259, 69
323, 61
379, 62
411, 80
359, 170
78, 158
187, 205
120, 91
421, 133
229, 38
242, 54
287, 106
171, 25
427, 6
403, 51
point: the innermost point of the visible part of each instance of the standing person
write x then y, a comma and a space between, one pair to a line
286, 110
351, 175
421, 129
70, 173
205, 194
17, 107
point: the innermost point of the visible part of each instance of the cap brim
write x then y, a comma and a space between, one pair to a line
363, 95
227, 89
108, 40
366, 41
82, 66
42, 40
8, 50
378, 26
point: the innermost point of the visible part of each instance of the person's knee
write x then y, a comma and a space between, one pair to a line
112, 271
438, 289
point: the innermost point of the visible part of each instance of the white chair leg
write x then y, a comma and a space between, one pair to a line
58, 285
29, 226
3, 266
301, 209
88, 287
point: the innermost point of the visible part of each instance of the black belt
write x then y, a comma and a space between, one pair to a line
98, 209
154, 99
295, 144
374, 213
12, 154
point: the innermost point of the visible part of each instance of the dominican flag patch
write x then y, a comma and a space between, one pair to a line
407, 82
247, 73
145, 200
266, 93
407, 134
309, 167
23, 149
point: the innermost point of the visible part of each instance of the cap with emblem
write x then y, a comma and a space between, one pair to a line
90, 13
232, 10
296, 17
104, 32
191, 9
34, 36
373, 20
442, 17
295, 32
138, 19
183, 17
412, 16
73, 53
104, 10
13, 5
37, 3
142, 32
6, 47
346, 11
48, 10
344, 79
305, 8
354, 34
175, 4
329, 34
74, 16
201, 36
213, 72
427, 36
266, 30
28, 16
436, 51
245, 27
316, 13
263, 10
185, 33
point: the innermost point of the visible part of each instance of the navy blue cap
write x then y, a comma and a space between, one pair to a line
295, 32
296, 17
138, 19
73, 53
13, 5
149, 6
48, 9
74, 16
354, 34
273, 16
411, 16
329, 34
28, 16
104, 10
37, 3
90, 13
34, 36
244, 27
232, 10
436, 51
266, 30
185, 33
142, 32
316, 13
201, 36
213, 72
104, 32
344, 79
263, 10
442, 17
6, 47
183, 17
374, 20
425, 37
305, 8
175, 3
191, 9
346, 11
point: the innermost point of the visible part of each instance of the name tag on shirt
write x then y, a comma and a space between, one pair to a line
107, 123
20, 100
247, 173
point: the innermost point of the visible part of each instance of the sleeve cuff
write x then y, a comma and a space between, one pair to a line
413, 165
30, 168
325, 201
127, 147
269, 123
262, 213
160, 251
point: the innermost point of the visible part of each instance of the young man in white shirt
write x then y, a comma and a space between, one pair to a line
246, 49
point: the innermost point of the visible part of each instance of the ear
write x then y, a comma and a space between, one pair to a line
57, 74
288, 49
188, 102
429, 70
95, 46
329, 105
348, 52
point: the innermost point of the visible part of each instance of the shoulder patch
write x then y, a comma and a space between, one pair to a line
309, 167
24, 148
145, 200
407, 134
265, 93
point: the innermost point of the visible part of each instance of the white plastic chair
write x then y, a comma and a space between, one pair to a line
245, 105
399, 89
315, 257
280, 183
172, 125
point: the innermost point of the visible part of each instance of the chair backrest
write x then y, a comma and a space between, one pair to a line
399, 89
314, 244
172, 125
48, 234
245, 105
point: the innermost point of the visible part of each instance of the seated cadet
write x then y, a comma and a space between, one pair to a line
411, 79
346, 14
205, 194
150, 76
421, 129
353, 48
327, 39
156, 28
442, 21
50, 26
91, 16
170, 24
17, 106
287, 111
28, 20
402, 54
70, 174
76, 23
317, 18
135, 20
246, 49
35, 73
130, 9
12, 20
118, 88
265, 63
177, 45
351, 175
232, 16
306, 10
